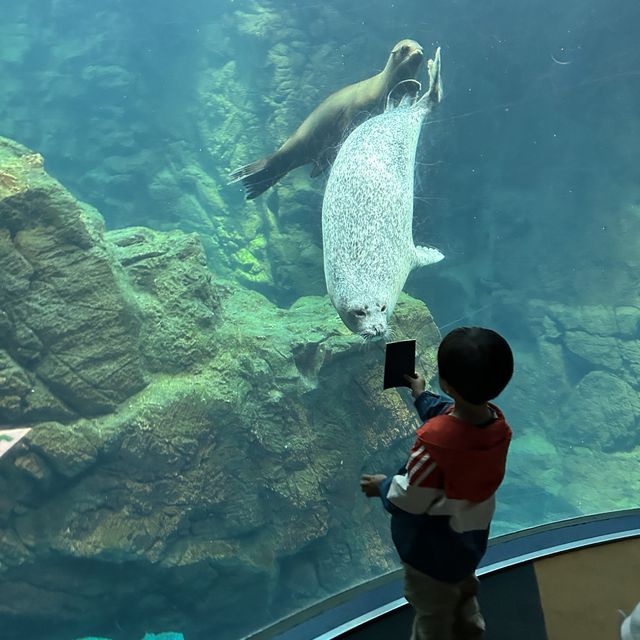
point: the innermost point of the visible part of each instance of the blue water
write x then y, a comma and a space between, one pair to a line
528, 181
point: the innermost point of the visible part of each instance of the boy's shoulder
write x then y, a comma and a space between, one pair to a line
448, 432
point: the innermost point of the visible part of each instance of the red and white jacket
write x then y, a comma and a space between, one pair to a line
443, 500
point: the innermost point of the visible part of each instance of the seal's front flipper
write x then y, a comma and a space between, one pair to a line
427, 255
405, 92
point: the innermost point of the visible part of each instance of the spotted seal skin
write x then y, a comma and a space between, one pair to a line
367, 211
317, 139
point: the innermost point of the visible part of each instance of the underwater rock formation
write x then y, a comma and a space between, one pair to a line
580, 364
173, 293
68, 331
590, 355
201, 440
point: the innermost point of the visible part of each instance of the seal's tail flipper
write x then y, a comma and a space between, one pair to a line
405, 92
256, 177
427, 255
434, 94
435, 78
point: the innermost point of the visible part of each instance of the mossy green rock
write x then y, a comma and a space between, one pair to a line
173, 290
224, 471
68, 329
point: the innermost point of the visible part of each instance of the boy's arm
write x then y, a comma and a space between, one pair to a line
399, 496
415, 488
428, 404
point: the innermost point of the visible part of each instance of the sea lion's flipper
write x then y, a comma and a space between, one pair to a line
405, 92
256, 177
427, 255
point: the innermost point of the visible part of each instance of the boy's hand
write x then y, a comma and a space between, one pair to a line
417, 383
370, 485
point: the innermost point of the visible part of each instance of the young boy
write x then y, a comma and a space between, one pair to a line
442, 501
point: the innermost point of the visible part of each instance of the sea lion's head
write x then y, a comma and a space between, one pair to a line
367, 320
404, 60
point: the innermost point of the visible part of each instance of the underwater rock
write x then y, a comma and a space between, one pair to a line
602, 410
194, 486
261, 22
532, 451
582, 364
598, 320
296, 265
107, 78
23, 397
628, 320
84, 315
601, 352
70, 333
175, 297
594, 337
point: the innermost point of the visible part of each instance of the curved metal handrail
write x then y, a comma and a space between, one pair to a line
375, 598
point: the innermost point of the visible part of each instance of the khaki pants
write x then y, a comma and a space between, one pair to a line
443, 611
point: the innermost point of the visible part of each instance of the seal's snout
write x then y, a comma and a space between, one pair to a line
375, 331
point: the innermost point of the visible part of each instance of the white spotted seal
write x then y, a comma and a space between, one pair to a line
367, 211
317, 139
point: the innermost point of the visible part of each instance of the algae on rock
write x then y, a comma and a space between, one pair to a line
69, 327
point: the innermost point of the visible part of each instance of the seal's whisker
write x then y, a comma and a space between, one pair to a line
363, 342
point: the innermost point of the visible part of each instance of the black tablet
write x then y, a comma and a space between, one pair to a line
399, 360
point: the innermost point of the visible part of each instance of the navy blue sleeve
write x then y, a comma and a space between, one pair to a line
430, 404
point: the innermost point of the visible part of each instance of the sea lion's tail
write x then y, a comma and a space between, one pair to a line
256, 177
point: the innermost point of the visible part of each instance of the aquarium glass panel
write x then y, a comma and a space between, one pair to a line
213, 217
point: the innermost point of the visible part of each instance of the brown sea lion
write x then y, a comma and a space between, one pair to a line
317, 139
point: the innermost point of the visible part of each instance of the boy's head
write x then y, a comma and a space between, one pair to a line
477, 363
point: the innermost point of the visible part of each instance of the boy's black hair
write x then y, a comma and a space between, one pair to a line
476, 362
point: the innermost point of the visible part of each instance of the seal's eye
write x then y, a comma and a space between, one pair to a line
383, 307
360, 313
